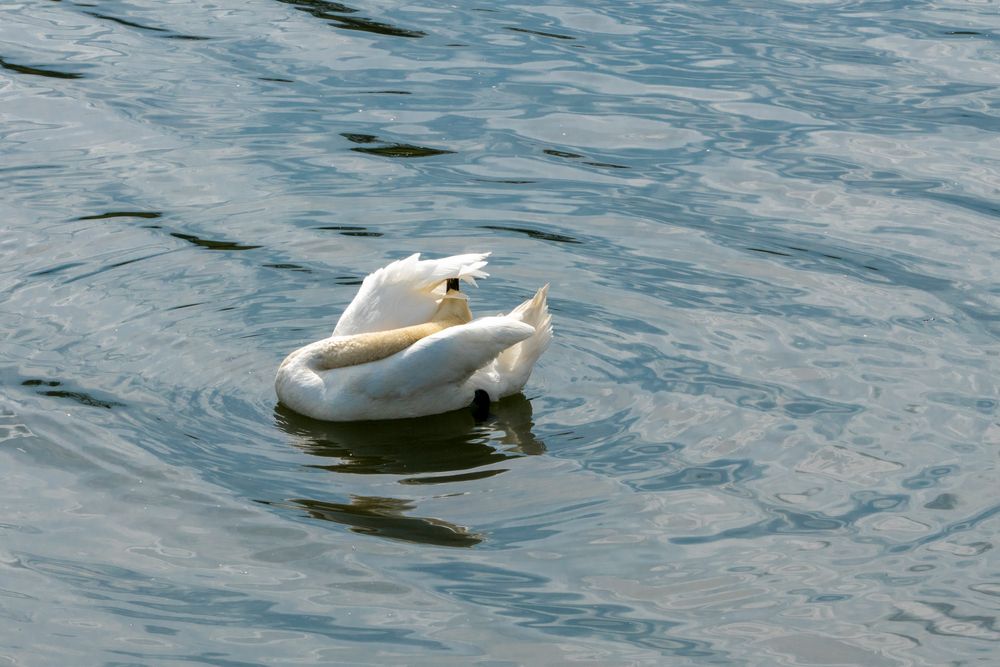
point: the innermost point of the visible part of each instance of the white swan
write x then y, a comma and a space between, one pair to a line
407, 346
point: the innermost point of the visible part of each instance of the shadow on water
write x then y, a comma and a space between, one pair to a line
418, 451
341, 16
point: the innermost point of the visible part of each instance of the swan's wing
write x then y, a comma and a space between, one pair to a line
406, 292
448, 357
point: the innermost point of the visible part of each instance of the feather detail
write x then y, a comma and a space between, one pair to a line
406, 292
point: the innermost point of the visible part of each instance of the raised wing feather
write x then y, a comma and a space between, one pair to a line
406, 292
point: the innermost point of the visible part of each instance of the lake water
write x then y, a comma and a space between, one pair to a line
766, 432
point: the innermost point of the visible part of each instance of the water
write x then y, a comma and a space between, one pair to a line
766, 432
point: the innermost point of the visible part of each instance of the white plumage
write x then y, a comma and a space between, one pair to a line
407, 346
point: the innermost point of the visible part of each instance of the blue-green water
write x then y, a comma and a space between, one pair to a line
766, 433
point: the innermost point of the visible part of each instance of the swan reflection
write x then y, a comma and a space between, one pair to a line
441, 443
383, 517
448, 448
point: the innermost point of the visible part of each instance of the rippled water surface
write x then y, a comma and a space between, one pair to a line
766, 433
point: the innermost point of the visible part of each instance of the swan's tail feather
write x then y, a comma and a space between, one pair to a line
406, 292
515, 363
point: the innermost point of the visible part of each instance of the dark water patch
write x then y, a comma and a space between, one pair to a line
377, 27
508, 181
541, 33
38, 71
339, 16
389, 92
963, 33
188, 38
797, 251
606, 165
351, 230
149, 215
450, 479
321, 9
55, 269
125, 22
274, 79
402, 150
769, 252
186, 305
383, 517
288, 267
943, 501
533, 233
211, 244
576, 156
161, 32
81, 397
528, 600
390, 149
360, 138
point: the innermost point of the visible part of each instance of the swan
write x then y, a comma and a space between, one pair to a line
407, 346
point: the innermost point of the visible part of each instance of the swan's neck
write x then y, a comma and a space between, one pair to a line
341, 351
